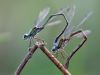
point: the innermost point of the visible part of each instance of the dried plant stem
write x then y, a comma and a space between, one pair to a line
55, 61
49, 55
25, 60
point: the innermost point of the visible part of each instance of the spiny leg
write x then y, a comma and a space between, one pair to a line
37, 38
56, 54
30, 42
40, 40
76, 48
63, 54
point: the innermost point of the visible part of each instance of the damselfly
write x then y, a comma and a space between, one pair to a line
70, 31
40, 22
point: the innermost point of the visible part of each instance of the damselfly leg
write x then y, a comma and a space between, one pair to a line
63, 53
30, 42
60, 54
40, 40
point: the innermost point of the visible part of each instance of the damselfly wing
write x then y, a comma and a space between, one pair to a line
43, 14
74, 28
39, 24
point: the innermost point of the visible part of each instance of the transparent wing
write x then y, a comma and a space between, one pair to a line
41, 17
69, 16
84, 19
59, 12
54, 23
70, 29
80, 35
68, 12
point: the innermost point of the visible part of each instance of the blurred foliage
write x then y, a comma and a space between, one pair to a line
18, 16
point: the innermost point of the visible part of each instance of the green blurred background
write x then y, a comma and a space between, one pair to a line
17, 17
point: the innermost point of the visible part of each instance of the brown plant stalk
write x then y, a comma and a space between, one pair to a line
49, 55
55, 61
25, 60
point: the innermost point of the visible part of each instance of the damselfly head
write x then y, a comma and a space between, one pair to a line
55, 49
26, 36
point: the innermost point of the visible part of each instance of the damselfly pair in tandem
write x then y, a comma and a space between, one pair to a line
41, 23
67, 33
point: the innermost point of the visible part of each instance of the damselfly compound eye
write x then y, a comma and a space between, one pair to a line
25, 36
